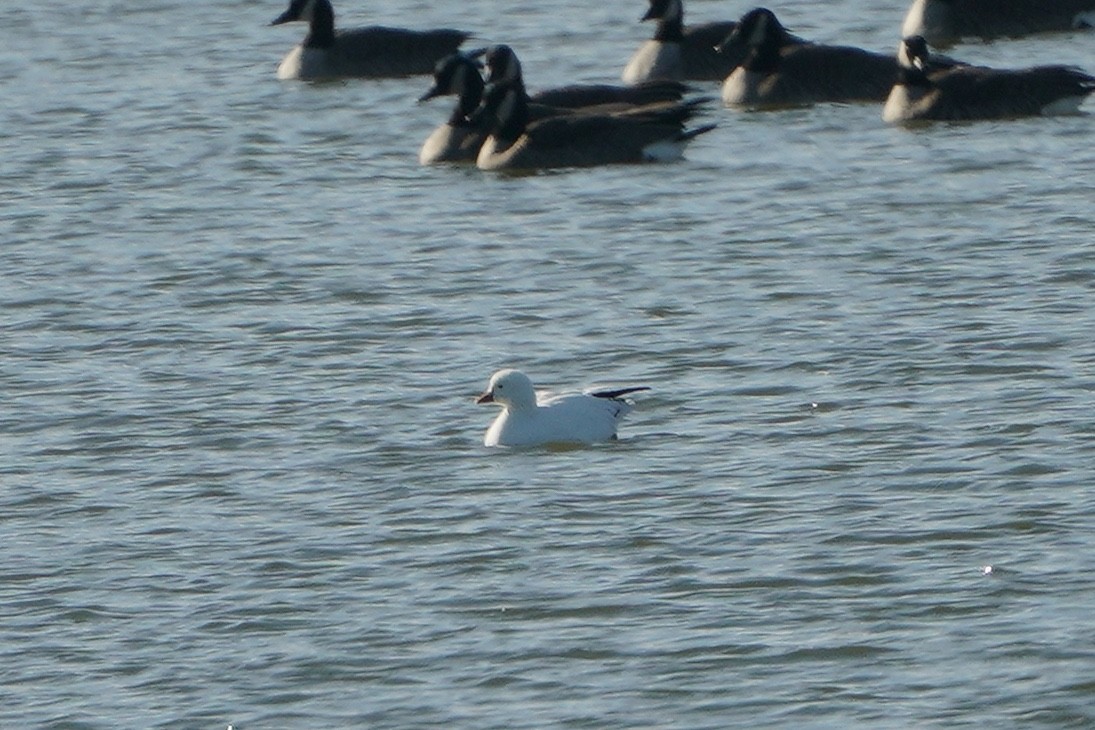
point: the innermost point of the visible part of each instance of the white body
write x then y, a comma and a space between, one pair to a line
528, 419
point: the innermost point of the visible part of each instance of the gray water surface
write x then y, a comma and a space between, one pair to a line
242, 478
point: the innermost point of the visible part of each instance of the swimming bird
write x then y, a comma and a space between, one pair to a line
977, 92
528, 419
779, 69
503, 67
945, 22
678, 52
459, 138
369, 52
654, 133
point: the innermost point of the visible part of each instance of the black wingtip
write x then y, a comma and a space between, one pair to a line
693, 133
614, 394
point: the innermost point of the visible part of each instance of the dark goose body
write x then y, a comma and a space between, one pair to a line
369, 52
460, 138
780, 69
976, 92
516, 142
678, 52
945, 22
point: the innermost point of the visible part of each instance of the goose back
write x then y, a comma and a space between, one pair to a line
780, 69
580, 140
503, 67
678, 52
368, 52
945, 22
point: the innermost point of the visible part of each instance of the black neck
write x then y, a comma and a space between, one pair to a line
321, 31
671, 22
912, 76
470, 98
670, 30
764, 58
512, 125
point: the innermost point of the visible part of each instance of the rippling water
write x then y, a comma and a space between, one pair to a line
243, 479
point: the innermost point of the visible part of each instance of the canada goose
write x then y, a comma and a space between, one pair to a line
458, 139
654, 133
372, 52
780, 69
945, 22
528, 419
976, 92
677, 52
504, 68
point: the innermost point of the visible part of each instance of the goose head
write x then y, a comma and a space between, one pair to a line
913, 53
511, 389
301, 10
502, 65
671, 10
456, 74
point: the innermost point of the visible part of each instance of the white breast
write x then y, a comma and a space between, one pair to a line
740, 87
444, 145
898, 105
305, 63
289, 68
654, 60
486, 158
914, 20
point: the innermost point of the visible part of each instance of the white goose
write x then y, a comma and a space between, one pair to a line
531, 420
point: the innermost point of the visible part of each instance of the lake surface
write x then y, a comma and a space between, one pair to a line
242, 478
